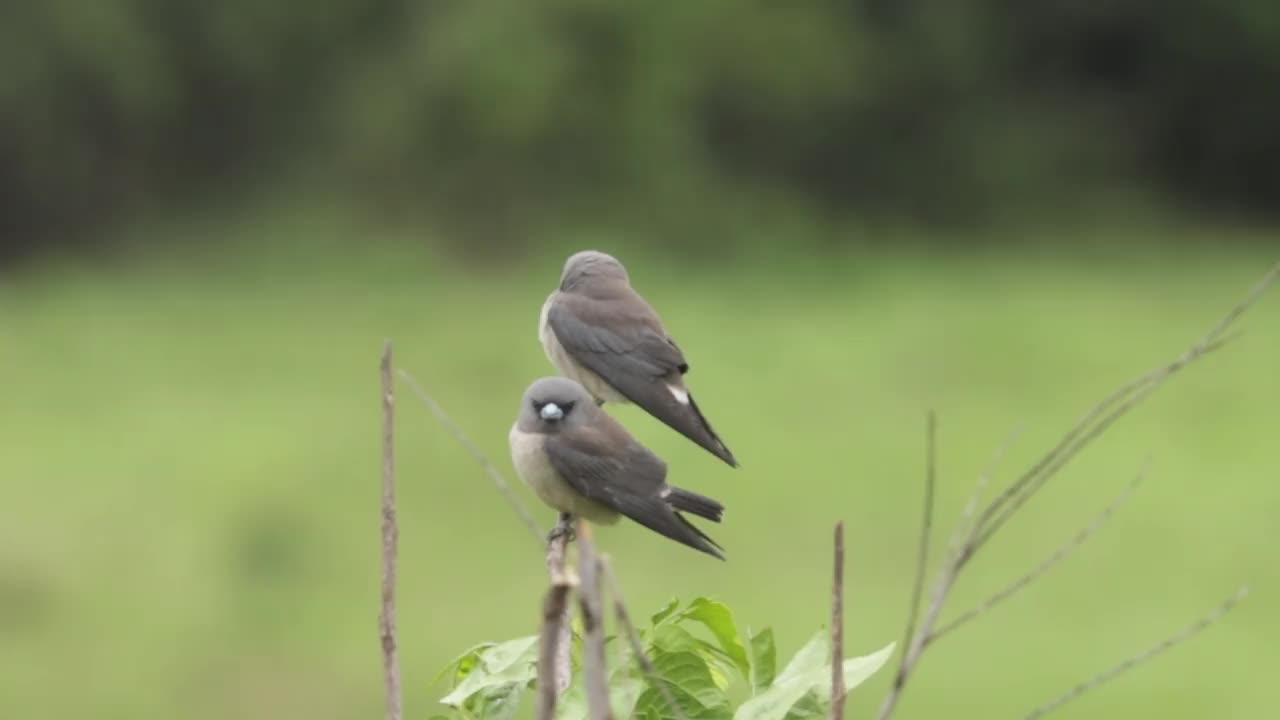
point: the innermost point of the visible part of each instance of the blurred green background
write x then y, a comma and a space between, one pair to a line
212, 214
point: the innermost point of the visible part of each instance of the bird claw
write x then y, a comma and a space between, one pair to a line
563, 529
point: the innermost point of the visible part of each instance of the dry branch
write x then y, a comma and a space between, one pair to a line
554, 649
1096, 423
994, 516
912, 641
837, 627
592, 605
1047, 564
390, 543
1150, 653
1110, 409
966, 529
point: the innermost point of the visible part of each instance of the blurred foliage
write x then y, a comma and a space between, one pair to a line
732, 678
494, 118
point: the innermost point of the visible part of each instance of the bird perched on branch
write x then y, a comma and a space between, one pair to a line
599, 331
582, 462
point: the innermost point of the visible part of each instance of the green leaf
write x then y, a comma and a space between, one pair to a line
624, 688
624, 691
813, 654
718, 618
858, 669
688, 679
665, 612
764, 660
776, 702
620, 656
810, 707
673, 638
688, 673
463, 664
653, 706
502, 656
573, 703
721, 669
809, 672
497, 703
511, 662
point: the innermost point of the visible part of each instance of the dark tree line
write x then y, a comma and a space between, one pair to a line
488, 116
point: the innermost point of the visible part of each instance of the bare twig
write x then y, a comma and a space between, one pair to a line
390, 542
1142, 657
1030, 483
837, 627
965, 529
633, 637
961, 537
1062, 446
554, 649
1047, 564
910, 638
1106, 412
592, 605
503, 486
1014, 497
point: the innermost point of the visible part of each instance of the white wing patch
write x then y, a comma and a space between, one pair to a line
682, 396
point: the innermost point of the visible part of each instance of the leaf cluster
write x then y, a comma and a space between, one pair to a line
702, 661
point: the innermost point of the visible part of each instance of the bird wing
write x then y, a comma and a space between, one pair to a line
625, 477
621, 339
616, 337
622, 476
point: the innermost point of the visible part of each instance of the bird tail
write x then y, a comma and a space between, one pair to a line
708, 438
692, 502
698, 540
662, 518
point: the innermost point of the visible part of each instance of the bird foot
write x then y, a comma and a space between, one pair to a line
564, 528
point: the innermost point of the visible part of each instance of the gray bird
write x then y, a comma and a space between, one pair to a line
582, 462
599, 331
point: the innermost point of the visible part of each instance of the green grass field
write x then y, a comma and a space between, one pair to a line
189, 472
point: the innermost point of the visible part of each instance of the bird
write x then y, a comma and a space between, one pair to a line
596, 329
582, 462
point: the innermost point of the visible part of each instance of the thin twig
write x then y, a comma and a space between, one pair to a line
962, 536
503, 486
965, 528
390, 543
633, 637
922, 558
1124, 399
592, 606
1047, 564
554, 640
1089, 427
1049, 466
1142, 657
837, 627
1063, 444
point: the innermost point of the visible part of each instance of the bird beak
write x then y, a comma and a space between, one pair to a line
551, 412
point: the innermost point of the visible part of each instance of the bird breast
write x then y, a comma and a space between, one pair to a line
568, 365
530, 461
